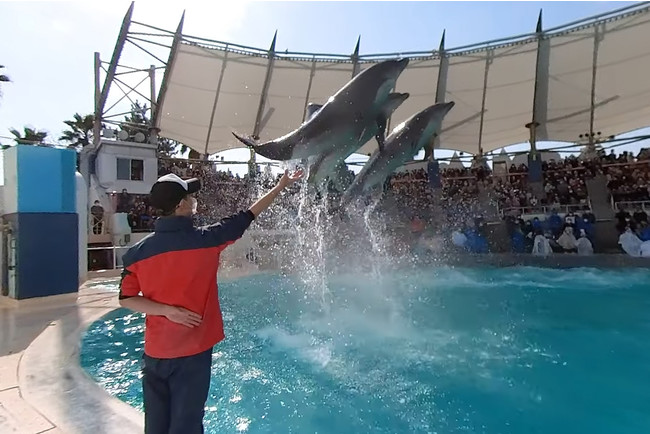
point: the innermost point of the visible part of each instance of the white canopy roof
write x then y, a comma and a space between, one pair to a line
211, 89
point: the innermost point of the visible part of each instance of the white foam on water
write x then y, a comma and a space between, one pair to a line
304, 346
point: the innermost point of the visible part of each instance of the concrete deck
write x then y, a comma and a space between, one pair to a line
43, 388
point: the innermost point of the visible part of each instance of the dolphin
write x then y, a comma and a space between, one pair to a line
402, 144
326, 165
344, 119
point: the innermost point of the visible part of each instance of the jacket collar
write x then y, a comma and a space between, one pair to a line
174, 224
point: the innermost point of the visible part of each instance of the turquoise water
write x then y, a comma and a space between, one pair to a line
515, 350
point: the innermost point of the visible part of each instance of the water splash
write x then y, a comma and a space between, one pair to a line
376, 231
310, 259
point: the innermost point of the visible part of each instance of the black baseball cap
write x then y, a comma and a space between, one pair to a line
169, 190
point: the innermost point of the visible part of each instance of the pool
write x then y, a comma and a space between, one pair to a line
444, 350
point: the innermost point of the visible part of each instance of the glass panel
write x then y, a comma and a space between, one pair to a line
124, 169
137, 170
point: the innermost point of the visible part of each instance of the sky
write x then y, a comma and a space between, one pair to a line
48, 47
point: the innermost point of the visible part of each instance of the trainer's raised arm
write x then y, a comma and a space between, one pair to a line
265, 201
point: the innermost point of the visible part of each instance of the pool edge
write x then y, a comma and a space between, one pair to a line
51, 379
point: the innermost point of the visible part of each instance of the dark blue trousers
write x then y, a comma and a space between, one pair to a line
175, 391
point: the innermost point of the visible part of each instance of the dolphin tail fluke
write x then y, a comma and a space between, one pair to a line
248, 141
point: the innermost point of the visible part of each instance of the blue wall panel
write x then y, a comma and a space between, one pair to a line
45, 180
47, 254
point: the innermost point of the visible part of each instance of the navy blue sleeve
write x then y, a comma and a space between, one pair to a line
229, 229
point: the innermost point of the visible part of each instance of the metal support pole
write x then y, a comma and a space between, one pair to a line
540, 95
441, 84
97, 124
216, 100
599, 34
178, 36
312, 73
152, 89
265, 89
153, 131
532, 127
117, 52
488, 62
260, 109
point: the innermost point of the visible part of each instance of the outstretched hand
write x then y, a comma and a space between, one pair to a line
289, 178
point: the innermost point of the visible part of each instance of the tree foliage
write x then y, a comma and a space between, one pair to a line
80, 132
29, 136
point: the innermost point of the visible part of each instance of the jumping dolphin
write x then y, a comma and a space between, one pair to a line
326, 165
402, 144
344, 119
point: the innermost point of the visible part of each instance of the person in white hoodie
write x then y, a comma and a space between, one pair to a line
585, 248
541, 245
568, 241
630, 243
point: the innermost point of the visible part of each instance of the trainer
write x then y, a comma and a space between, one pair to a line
171, 276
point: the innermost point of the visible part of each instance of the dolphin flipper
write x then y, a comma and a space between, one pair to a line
392, 103
428, 148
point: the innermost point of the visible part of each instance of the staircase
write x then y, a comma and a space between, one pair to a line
599, 197
537, 188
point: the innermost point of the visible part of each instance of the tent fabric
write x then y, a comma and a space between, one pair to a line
213, 90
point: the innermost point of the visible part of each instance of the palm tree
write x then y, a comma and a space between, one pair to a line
169, 147
137, 121
3, 78
80, 132
31, 136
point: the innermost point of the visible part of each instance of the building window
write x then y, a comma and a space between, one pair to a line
130, 169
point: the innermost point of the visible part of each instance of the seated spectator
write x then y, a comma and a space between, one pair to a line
630, 243
640, 215
644, 231
555, 222
567, 240
541, 245
584, 246
584, 225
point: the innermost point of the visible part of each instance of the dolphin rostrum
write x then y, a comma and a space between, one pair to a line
344, 119
402, 144
326, 165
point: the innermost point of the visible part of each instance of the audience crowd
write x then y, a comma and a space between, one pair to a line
462, 200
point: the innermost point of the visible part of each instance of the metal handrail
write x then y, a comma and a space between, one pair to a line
113, 248
645, 204
100, 224
546, 208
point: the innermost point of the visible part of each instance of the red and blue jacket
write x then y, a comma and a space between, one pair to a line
177, 265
